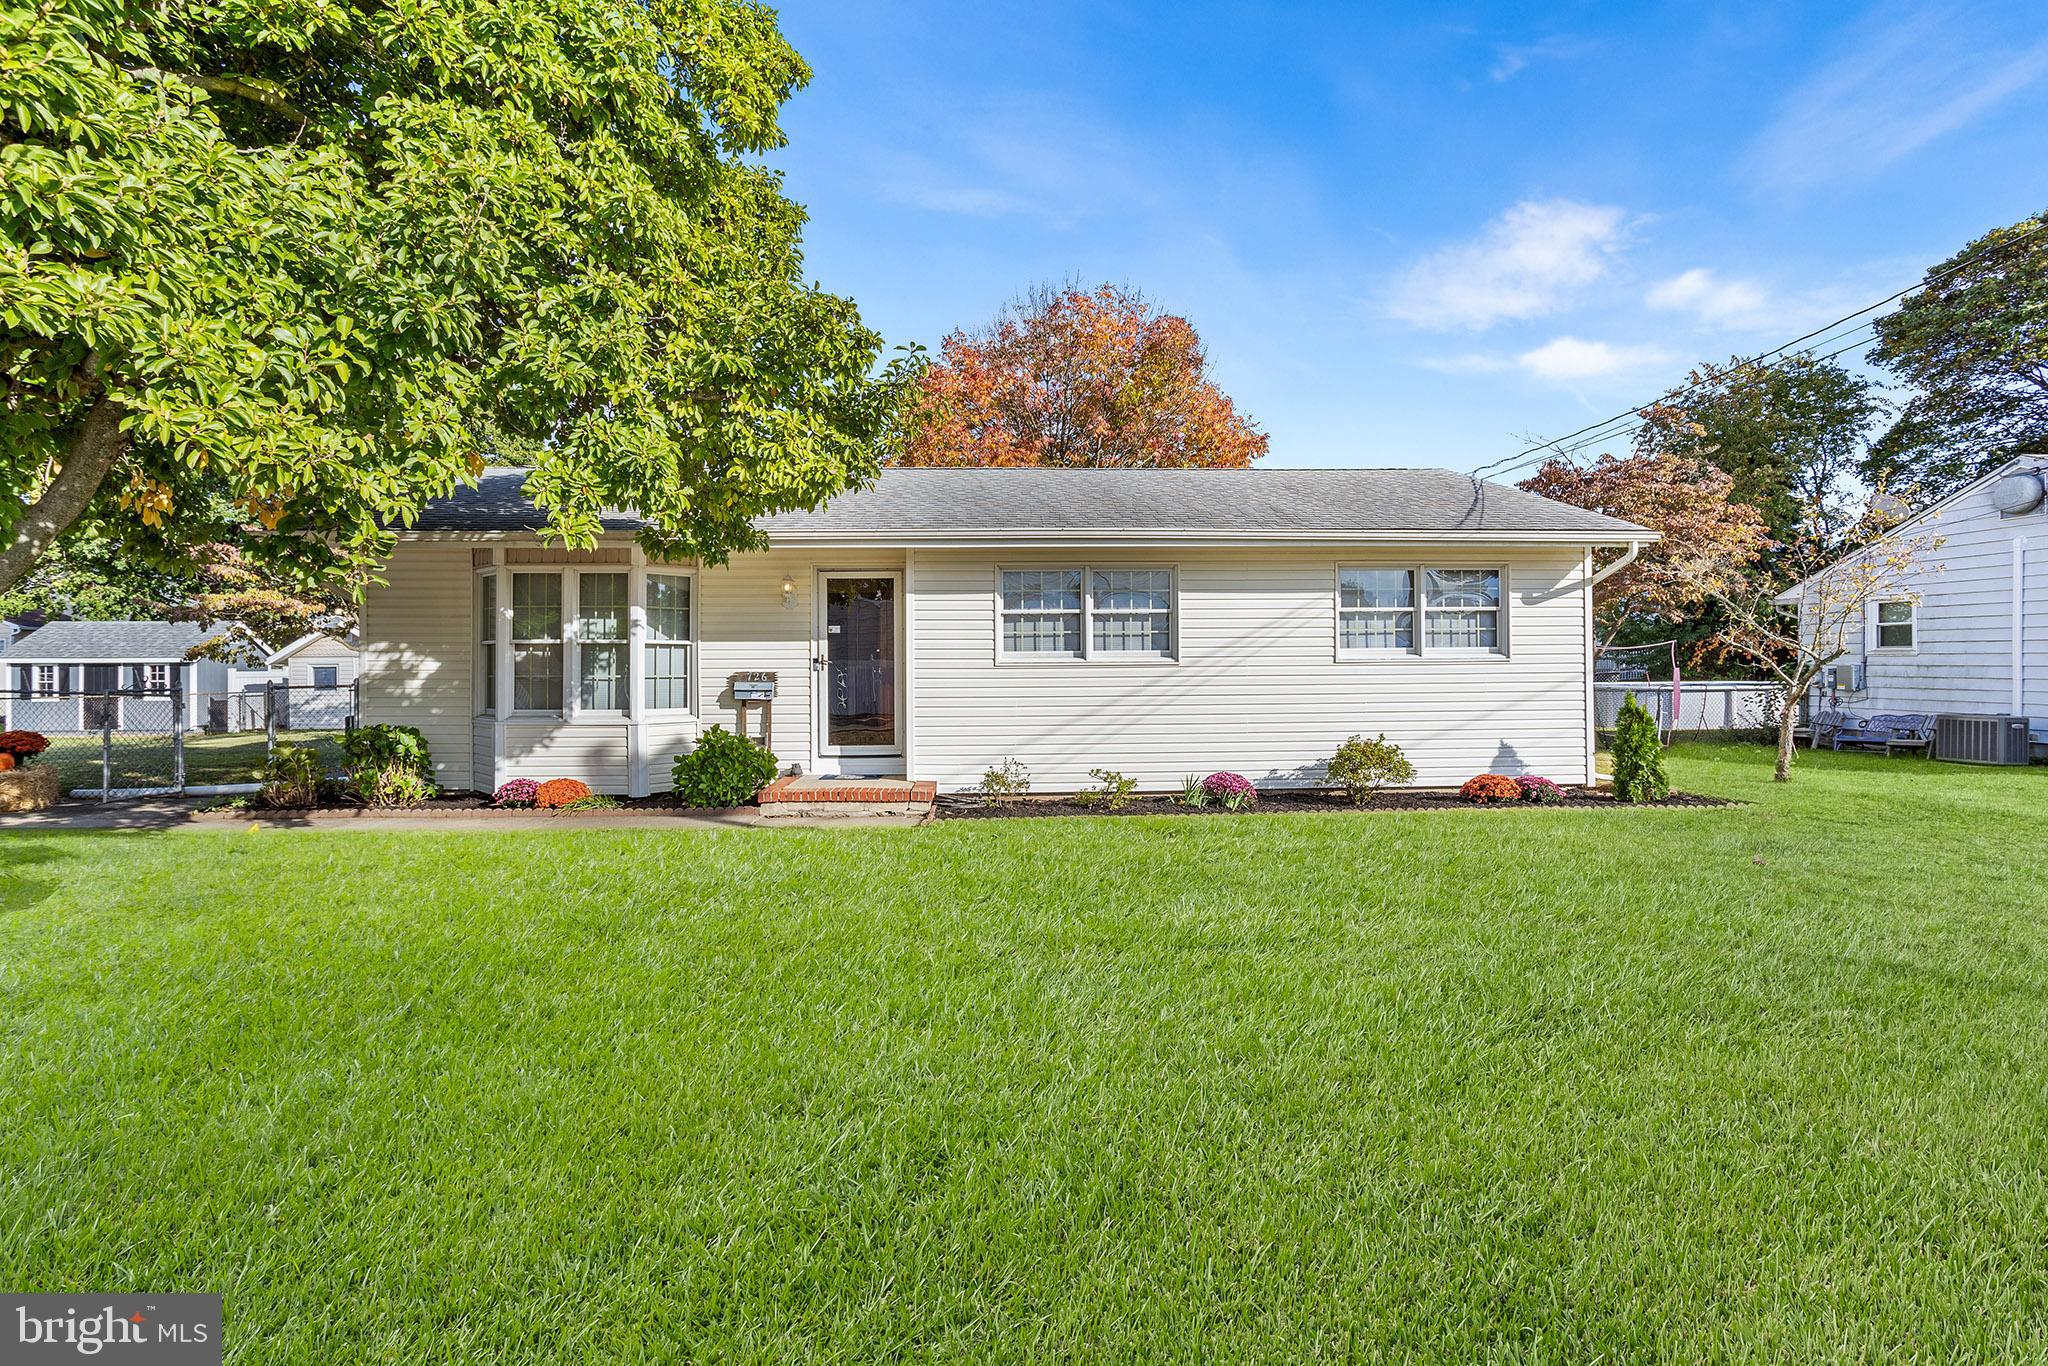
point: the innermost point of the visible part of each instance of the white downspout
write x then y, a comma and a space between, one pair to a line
1635, 548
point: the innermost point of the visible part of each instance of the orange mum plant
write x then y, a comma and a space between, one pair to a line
559, 792
1491, 787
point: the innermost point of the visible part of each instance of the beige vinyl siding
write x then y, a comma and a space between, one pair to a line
1258, 687
416, 655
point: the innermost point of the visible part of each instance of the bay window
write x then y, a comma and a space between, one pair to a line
537, 641
1085, 613
580, 640
601, 641
667, 656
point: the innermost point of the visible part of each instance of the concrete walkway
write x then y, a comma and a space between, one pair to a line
169, 813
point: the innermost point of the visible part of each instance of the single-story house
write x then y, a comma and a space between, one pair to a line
68, 677
1966, 631
1157, 622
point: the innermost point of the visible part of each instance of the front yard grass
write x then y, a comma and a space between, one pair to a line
1759, 1082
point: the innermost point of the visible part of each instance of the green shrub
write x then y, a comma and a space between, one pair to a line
389, 765
1192, 793
1112, 792
1005, 783
291, 777
723, 770
1638, 756
1362, 767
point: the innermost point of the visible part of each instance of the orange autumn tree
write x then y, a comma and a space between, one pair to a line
1708, 542
1076, 378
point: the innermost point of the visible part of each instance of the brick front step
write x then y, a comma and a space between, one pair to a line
787, 796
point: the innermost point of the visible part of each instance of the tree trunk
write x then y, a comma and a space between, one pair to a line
1785, 720
88, 456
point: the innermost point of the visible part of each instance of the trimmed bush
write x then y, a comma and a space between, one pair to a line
1491, 787
1362, 767
1112, 791
389, 765
518, 792
560, 792
1233, 791
722, 770
1638, 756
1541, 791
1007, 782
291, 777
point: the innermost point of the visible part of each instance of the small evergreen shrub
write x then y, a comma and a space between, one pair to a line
518, 792
723, 769
1362, 767
291, 777
1638, 756
1005, 783
1491, 787
1232, 791
1112, 791
1540, 791
389, 765
557, 792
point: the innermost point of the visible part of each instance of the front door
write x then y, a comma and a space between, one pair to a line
859, 664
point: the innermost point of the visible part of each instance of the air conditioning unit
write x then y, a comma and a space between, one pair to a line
1981, 739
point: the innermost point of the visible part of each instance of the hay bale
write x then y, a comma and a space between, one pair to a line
29, 789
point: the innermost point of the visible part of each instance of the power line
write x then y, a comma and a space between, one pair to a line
1519, 457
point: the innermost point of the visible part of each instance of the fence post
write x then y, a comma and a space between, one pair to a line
269, 717
106, 750
177, 735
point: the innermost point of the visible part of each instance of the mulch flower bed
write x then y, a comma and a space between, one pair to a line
450, 803
1293, 800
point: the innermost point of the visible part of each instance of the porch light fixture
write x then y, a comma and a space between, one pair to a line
788, 590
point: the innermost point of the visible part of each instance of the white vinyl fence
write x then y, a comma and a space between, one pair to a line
1704, 708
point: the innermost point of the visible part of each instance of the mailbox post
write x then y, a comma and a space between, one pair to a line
754, 690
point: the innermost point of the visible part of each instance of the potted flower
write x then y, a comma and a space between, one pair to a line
25, 784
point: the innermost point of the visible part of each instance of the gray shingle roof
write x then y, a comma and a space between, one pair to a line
112, 642
1037, 502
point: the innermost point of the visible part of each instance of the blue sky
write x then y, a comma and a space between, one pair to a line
1415, 235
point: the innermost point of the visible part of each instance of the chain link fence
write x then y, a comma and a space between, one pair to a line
120, 743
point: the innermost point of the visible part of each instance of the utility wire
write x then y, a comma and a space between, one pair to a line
1519, 458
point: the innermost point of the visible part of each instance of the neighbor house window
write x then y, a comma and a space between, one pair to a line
1461, 609
601, 642
1895, 625
1084, 613
46, 678
1376, 609
326, 676
667, 657
537, 642
154, 678
487, 639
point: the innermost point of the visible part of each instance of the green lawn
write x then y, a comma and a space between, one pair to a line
143, 759
1763, 1082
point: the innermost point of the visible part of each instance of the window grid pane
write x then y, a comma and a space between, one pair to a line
1895, 613
537, 642
1042, 612
536, 607
668, 608
1463, 608
537, 677
1133, 611
668, 677
600, 633
1042, 633
1377, 630
1376, 588
666, 658
1464, 630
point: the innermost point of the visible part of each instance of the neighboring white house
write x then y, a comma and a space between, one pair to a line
67, 677
1967, 633
1161, 623
318, 671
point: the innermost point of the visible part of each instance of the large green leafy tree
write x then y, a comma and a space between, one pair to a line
1973, 344
1791, 435
280, 265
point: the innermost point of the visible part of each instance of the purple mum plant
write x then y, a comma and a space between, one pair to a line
1233, 790
1541, 791
518, 792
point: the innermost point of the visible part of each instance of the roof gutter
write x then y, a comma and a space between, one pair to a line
1635, 548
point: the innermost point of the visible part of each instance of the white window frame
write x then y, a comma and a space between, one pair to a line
573, 627
565, 630
1419, 578
49, 680
156, 678
488, 605
1088, 654
1911, 623
644, 639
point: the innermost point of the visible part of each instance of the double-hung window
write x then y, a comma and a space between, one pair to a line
537, 641
487, 640
1376, 609
668, 642
1418, 610
1080, 612
601, 641
46, 679
1895, 625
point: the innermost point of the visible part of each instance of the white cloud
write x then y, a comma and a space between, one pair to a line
1511, 59
1527, 263
1710, 297
1909, 76
1570, 358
